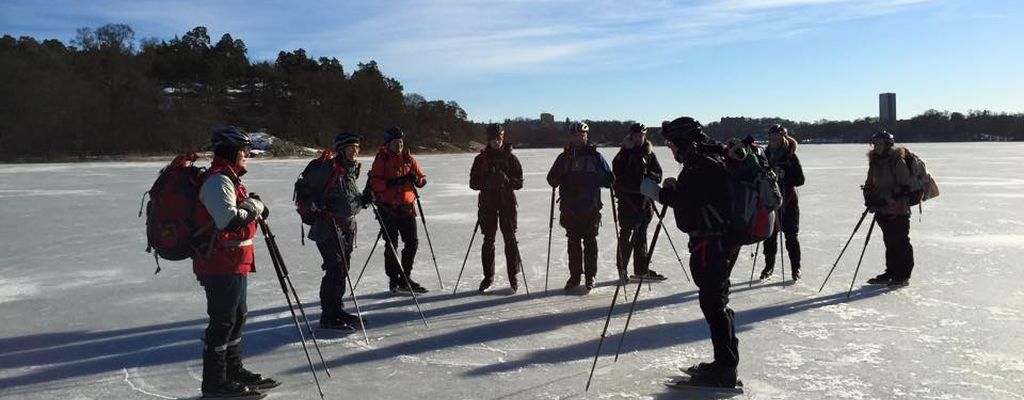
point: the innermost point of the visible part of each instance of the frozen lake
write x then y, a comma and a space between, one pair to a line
83, 317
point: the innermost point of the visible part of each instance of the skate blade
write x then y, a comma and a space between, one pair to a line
683, 384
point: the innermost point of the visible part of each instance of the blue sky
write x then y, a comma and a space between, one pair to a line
640, 60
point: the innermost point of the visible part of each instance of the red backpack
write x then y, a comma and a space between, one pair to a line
170, 212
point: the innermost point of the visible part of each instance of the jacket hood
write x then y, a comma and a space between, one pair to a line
897, 152
628, 144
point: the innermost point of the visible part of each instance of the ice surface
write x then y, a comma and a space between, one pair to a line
83, 317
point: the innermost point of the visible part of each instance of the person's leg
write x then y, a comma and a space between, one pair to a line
791, 229
488, 218
222, 307
391, 263
771, 248
710, 267
410, 240
332, 285
575, 250
507, 219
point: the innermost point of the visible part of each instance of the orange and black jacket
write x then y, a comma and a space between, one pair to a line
394, 178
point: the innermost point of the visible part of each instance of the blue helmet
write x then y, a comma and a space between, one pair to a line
345, 139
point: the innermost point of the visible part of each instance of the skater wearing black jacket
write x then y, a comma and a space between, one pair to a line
497, 174
784, 162
579, 173
634, 162
700, 192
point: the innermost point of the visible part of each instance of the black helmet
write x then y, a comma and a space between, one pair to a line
884, 136
778, 129
577, 127
683, 130
345, 139
638, 128
230, 137
493, 130
393, 133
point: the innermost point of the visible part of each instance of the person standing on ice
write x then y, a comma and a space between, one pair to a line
634, 162
700, 191
782, 159
223, 267
497, 174
335, 189
885, 193
393, 178
579, 173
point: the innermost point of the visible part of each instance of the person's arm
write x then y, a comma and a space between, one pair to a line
795, 174
420, 177
654, 167
474, 175
515, 176
555, 174
375, 178
607, 176
218, 197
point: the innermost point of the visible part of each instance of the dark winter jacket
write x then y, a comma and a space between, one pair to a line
579, 173
786, 165
631, 165
496, 174
888, 182
342, 200
701, 198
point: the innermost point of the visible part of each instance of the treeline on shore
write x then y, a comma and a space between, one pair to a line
106, 93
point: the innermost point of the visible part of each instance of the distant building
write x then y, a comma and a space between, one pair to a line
887, 108
547, 119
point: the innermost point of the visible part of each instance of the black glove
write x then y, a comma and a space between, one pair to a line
266, 209
366, 198
872, 200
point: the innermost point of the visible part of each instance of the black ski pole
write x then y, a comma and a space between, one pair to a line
754, 265
650, 252
468, 249
281, 278
623, 259
519, 258
348, 279
855, 228
862, 251
551, 226
368, 256
604, 331
423, 219
388, 245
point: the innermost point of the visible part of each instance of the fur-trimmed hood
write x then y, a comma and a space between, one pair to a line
897, 152
790, 145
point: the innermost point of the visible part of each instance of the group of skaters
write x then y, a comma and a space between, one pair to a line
579, 173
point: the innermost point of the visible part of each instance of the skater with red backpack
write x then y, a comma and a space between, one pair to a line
223, 264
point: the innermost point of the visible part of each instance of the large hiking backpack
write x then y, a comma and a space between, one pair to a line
170, 212
922, 187
755, 197
308, 193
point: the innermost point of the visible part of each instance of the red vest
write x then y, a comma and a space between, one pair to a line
232, 250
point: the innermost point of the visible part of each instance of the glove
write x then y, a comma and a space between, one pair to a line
255, 207
872, 200
421, 182
650, 188
366, 198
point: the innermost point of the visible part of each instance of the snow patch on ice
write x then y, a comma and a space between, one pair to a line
1003, 314
17, 288
847, 312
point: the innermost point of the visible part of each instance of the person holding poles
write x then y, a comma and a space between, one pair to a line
701, 200
885, 193
634, 162
782, 159
579, 173
334, 231
222, 267
497, 174
392, 179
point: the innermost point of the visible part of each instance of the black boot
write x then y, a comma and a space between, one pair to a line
486, 283
237, 373
767, 271
216, 384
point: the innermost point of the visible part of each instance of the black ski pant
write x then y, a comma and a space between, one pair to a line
582, 230
899, 253
711, 262
633, 225
403, 224
337, 255
789, 221
226, 308
492, 217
